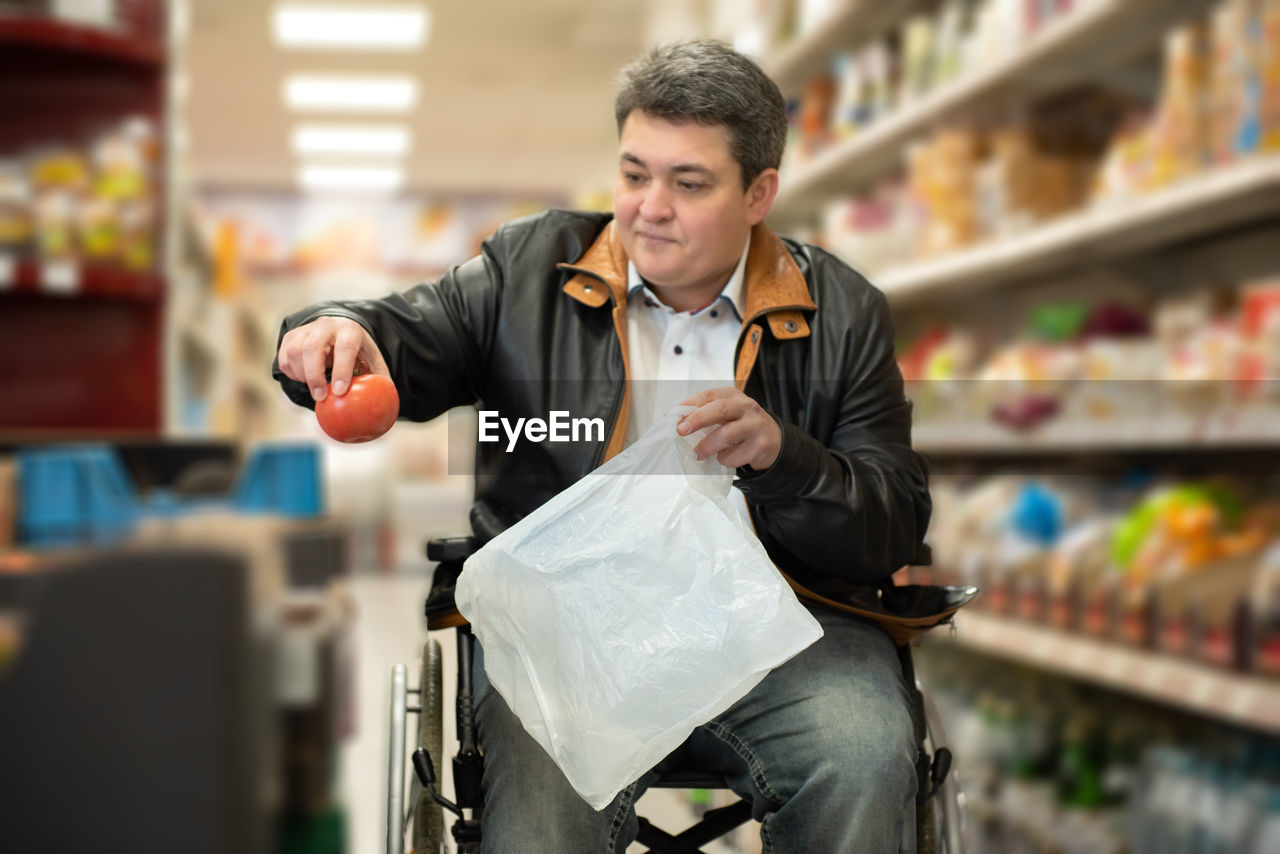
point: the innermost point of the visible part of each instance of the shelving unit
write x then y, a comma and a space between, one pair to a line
64, 279
86, 338
849, 22
1215, 200
1236, 429
1201, 209
1064, 52
139, 48
1246, 700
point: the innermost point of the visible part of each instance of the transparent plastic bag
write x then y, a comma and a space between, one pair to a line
630, 609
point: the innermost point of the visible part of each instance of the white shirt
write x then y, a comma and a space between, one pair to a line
674, 354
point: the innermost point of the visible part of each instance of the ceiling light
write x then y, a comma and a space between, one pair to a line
365, 93
362, 179
350, 26
350, 139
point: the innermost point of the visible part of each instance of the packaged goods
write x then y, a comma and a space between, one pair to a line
943, 180
16, 224
814, 118
1179, 132
1236, 84
919, 46
1270, 83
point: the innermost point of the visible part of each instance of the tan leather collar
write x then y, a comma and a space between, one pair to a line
773, 281
604, 261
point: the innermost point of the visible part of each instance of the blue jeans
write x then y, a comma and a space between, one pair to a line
823, 748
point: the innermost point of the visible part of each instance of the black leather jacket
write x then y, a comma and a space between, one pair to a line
536, 323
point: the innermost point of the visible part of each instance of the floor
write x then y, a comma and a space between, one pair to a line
390, 630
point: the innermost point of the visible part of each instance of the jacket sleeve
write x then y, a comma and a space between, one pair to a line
858, 509
434, 337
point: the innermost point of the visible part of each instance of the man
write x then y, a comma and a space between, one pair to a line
570, 311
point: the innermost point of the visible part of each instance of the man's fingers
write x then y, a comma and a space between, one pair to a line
347, 346
716, 411
707, 395
336, 343
315, 358
730, 435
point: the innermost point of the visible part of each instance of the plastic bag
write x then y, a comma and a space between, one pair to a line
630, 609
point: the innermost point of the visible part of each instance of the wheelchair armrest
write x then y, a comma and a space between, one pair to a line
449, 553
444, 549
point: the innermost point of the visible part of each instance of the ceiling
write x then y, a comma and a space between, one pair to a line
515, 96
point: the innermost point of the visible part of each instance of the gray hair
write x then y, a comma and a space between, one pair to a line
709, 82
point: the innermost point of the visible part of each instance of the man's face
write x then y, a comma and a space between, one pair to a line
682, 214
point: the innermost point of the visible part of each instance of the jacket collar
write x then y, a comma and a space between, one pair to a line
773, 280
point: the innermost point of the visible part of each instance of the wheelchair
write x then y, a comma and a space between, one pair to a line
940, 810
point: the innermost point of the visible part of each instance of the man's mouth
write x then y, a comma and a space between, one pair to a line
655, 238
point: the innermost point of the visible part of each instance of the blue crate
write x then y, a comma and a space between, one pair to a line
282, 479
81, 494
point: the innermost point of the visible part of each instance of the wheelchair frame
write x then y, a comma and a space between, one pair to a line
940, 809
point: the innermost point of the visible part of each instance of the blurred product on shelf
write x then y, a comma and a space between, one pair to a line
969, 184
928, 51
1054, 766
943, 176
1187, 569
1179, 133
1197, 364
94, 203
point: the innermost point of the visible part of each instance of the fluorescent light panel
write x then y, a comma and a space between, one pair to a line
363, 179
351, 139
363, 93
382, 26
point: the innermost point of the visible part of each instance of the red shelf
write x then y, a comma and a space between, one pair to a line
81, 41
89, 281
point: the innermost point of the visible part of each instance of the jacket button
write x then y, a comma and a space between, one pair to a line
790, 326
755, 336
587, 289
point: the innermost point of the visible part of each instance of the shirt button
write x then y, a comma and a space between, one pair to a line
679, 349
713, 313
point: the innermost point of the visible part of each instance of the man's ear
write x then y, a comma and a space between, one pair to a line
760, 195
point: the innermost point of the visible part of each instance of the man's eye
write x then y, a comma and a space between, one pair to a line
632, 177
690, 186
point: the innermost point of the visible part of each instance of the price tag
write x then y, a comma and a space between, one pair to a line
8, 272
59, 277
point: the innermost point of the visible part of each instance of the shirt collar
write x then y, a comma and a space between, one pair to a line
732, 291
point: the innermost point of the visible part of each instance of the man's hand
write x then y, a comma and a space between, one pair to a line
329, 342
746, 435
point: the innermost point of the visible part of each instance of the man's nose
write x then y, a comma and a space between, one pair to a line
656, 204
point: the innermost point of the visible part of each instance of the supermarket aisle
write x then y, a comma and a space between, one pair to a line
389, 630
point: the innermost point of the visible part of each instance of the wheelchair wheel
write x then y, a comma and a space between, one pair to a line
428, 817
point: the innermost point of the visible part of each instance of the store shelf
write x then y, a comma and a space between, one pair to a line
26, 31
258, 385
1064, 50
71, 279
1250, 701
1253, 427
201, 340
848, 24
1217, 199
